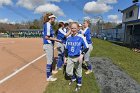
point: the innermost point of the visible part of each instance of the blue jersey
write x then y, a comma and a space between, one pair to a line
61, 35
87, 34
80, 31
65, 30
47, 31
74, 45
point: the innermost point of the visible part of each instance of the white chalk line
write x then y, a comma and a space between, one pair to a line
22, 68
10, 42
19, 70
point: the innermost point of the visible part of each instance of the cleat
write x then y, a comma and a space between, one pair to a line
77, 88
59, 68
70, 83
54, 71
73, 80
88, 72
51, 79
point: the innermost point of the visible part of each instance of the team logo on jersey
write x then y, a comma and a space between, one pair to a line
74, 43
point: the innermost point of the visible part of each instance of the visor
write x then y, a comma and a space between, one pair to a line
52, 16
80, 24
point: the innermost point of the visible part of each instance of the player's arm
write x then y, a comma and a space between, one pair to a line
65, 34
68, 33
66, 49
83, 33
48, 34
51, 38
82, 54
84, 51
85, 44
66, 53
66, 56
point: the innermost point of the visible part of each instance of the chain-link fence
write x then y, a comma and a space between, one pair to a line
113, 34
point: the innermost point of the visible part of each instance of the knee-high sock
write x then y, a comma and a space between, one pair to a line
48, 70
89, 65
60, 61
73, 77
79, 81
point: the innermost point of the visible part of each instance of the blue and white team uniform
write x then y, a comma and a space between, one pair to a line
48, 47
87, 35
60, 47
75, 46
80, 31
65, 30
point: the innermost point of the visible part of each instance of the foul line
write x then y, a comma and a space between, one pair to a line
22, 68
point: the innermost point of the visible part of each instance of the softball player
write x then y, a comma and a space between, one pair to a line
61, 35
87, 35
73, 51
48, 40
80, 29
66, 27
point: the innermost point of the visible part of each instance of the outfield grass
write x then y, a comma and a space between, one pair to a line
125, 58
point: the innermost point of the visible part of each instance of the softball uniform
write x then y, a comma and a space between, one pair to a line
87, 35
74, 45
48, 47
60, 47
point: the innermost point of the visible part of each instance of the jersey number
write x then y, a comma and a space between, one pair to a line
72, 49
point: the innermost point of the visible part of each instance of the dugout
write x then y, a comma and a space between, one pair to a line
25, 33
132, 33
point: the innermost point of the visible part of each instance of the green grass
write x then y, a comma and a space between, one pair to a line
125, 58
89, 85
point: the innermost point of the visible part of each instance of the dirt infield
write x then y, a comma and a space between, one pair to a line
14, 54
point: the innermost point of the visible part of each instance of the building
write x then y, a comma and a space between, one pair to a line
131, 25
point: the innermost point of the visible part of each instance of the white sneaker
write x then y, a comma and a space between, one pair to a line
59, 68
78, 87
54, 72
51, 79
88, 72
70, 83
73, 80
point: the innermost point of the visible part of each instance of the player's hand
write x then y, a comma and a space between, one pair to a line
59, 41
80, 59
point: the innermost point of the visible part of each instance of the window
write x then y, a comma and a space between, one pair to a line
130, 29
129, 14
137, 29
